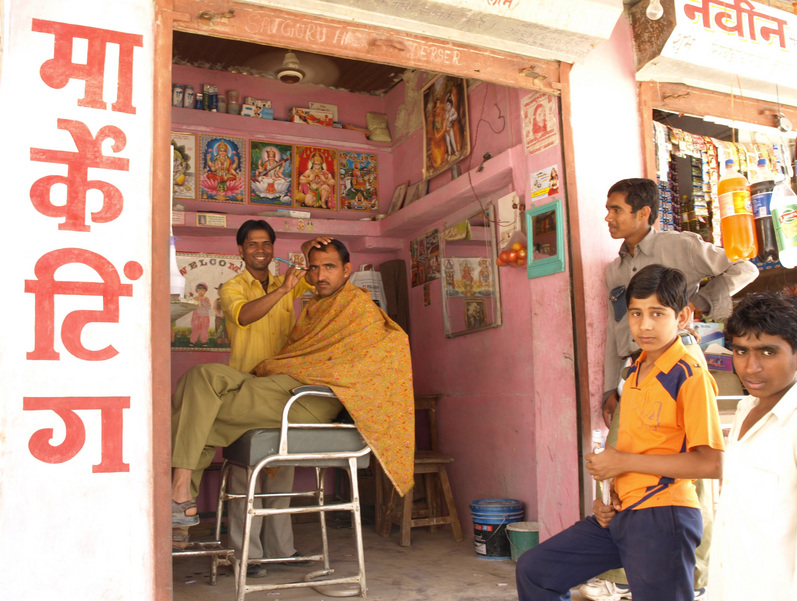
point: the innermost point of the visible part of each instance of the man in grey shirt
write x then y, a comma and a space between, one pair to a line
632, 207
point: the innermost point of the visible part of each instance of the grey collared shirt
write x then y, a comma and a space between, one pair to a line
697, 259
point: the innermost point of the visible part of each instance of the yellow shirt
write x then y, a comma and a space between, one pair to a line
265, 337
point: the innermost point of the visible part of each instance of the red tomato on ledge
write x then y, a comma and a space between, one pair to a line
504, 256
512, 257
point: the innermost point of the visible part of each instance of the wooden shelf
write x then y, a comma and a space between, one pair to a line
206, 122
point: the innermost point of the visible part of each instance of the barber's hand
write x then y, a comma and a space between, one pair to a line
609, 407
605, 513
320, 241
606, 464
292, 277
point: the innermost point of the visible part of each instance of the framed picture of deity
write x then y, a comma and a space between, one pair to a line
223, 177
270, 173
184, 166
358, 181
446, 139
204, 328
315, 185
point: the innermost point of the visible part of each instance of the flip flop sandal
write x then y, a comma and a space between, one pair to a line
179, 517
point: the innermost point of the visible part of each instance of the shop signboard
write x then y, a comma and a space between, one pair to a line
738, 37
76, 411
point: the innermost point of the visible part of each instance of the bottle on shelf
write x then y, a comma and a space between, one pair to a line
784, 217
736, 225
761, 193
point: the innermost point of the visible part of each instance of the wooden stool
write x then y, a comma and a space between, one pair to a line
390, 509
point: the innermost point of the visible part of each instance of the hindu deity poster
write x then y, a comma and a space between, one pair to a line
270, 173
184, 166
358, 181
223, 169
446, 131
315, 184
467, 276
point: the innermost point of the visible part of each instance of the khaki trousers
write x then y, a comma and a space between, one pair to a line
215, 404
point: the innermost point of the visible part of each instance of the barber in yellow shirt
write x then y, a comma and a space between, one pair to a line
259, 312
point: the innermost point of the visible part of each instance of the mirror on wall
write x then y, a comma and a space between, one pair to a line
471, 293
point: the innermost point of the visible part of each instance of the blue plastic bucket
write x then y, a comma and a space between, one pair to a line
490, 518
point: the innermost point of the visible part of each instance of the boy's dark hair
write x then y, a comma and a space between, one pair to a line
254, 224
639, 192
765, 313
669, 286
343, 252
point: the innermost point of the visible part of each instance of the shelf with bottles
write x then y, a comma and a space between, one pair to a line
205, 122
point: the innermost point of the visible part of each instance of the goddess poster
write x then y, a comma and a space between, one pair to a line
223, 169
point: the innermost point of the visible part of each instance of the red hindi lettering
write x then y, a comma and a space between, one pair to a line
111, 434
732, 20
45, 287
778, 30
88, 155
57, 71
703, 9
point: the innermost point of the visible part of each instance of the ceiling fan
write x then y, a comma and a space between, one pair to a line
294, 67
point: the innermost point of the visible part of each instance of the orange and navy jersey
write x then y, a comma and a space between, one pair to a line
672, 410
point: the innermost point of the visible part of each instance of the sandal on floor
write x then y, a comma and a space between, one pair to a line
179, 517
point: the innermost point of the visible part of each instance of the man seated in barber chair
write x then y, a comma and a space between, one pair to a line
341, 340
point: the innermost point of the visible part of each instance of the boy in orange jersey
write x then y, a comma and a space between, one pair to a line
669, 435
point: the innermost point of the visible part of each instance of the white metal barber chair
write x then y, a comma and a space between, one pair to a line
319, 446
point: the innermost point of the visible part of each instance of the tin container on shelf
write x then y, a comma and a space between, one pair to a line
177, 94
188, 97
199, 101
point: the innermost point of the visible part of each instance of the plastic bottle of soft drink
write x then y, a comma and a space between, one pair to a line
784, 217
737, 227
761, 193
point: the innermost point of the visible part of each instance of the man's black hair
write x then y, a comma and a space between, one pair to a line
764, 313
669, 286
639, 192
254, 224
343, 252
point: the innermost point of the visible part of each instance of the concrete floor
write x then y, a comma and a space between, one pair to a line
435, 568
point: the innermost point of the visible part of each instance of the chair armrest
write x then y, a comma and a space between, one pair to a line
309, 389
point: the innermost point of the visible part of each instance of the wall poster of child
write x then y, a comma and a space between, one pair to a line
315, 185
446, 131
223, 169
270, 173
204, 328
358, 181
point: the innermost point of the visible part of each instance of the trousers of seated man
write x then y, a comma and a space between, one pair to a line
215, 404
271, 536
704, 490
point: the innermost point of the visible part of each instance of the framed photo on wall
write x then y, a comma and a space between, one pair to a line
184, 166
545, 230
358, 181
415, 191
204, 329
223, 177
445, 119
315, 185
270, 173
398, 197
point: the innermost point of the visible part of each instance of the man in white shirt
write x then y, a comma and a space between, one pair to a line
754, 549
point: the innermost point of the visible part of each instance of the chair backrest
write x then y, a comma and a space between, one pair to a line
428, 403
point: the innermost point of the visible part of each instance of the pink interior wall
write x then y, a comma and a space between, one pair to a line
508, 414
607, 135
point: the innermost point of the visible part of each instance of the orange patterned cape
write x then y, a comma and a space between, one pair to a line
346, 342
